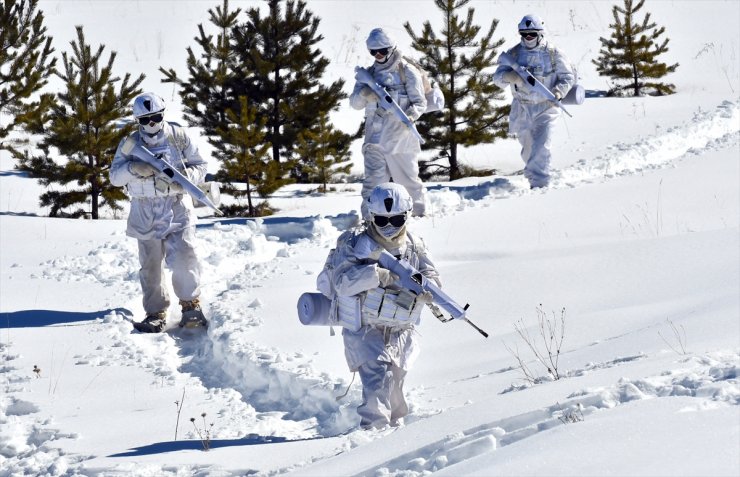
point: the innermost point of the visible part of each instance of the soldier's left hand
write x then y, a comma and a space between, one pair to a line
175, 187
425, 298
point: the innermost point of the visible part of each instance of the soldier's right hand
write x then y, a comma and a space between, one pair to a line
367, 93
141, 169
512, 77
386, 277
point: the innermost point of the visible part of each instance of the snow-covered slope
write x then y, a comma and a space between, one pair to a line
638, 241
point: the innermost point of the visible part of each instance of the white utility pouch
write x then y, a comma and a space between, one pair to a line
387, 307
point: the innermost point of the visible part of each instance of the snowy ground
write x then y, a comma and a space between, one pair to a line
638, 239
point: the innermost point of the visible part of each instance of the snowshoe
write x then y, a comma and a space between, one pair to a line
153, 323
192, 315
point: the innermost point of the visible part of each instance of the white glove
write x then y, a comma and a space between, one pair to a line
425, 298
175, 187
368, 94
512, 77
386, 277
141, 169
558, 95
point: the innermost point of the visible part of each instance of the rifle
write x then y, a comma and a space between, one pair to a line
160, 163
385, 100
413, 280
507, 60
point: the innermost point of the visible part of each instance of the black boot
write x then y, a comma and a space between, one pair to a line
192, 315
153, 323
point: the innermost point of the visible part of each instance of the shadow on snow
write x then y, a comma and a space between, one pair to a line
174, 446
35, 318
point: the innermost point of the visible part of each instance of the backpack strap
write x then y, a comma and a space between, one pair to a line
415, 246
514, 52
130, 142
176, 134
551, 50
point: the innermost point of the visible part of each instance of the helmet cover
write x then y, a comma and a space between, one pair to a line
379, 39
147, 104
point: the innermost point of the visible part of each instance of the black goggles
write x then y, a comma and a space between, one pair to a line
152, 118
394, 220
529, 34
382, 51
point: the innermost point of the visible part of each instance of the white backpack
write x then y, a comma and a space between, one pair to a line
432, 92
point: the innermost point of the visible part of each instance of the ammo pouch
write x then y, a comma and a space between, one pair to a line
392, 308
346, 312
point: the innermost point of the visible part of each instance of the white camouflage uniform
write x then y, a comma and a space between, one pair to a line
379, 349
532, 116
390, 149
162, 218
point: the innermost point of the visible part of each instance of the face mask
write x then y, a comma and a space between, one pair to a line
151, 127
389, 231
531, 41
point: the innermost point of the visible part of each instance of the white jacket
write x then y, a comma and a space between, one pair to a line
546, 63
383, 127
550, 67
156, 210
347, 279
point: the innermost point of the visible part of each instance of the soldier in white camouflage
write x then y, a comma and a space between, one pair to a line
161, 218
377, 313
532, 116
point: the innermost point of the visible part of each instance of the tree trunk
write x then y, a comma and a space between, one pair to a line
250, 206
94, 188
452, 124
636, 84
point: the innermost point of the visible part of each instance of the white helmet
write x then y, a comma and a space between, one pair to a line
149, 105
378, 39
389, 205
531, 22
531, 28
381, 45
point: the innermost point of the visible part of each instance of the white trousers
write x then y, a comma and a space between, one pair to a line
178, 252
533, 124
383, 402
403, 168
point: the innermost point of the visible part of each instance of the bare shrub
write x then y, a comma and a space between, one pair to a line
545, 346
678, 343
205, 433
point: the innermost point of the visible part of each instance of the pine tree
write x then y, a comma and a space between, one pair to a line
246, 158
630, 55
26, 60
215, 81
271, 60
457, 61
280, 51
82, 124
324, 153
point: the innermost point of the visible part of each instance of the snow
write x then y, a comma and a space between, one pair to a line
637, 240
